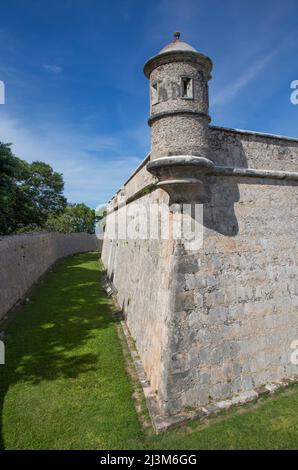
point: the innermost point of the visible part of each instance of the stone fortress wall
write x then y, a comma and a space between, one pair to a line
219, 321
24, 258
236, 307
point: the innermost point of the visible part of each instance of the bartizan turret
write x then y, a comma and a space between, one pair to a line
179, 119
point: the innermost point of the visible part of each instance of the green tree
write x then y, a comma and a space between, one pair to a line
29, 193
75, 218
44, 188
13, 202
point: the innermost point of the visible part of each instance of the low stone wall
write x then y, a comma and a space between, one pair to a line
24, 258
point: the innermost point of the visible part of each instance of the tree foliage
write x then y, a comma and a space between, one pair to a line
31, 199
44, 188
14, 203
75, 218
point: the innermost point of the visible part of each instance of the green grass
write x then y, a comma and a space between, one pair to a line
65, 385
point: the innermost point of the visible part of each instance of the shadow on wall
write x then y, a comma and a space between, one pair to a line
43, 339
219, 214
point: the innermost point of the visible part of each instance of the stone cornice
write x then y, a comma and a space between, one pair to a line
184, 177
156, 116
204, 168
256, 134
254, 173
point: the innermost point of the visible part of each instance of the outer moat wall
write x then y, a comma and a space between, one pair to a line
26, 257
211, 323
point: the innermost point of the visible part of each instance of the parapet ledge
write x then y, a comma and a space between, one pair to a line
183, 177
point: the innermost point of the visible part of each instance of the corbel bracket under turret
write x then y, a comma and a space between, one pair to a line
182, 177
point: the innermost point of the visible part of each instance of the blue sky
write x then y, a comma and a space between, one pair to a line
76, 96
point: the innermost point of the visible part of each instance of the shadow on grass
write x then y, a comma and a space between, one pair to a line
41, 339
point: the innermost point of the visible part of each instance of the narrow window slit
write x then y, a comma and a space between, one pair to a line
154, 93
187, 87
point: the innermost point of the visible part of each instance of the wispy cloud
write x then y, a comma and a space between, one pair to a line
52, 68
92, 171
231, 90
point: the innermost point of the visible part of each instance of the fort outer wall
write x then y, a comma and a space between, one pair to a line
213, 323
24, 258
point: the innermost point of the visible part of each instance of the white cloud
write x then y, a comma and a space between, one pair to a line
90, 175
52, 68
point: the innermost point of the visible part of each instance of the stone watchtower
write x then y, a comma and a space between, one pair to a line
179, 118
179, 105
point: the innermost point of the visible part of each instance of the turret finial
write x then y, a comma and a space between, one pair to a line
176, 35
